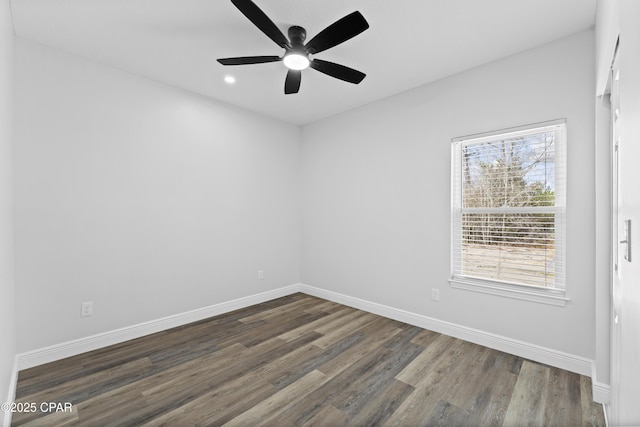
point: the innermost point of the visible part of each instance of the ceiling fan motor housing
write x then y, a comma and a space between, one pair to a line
297, 35
296, 56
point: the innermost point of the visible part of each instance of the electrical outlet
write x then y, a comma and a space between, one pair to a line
260, 274
86, 309
435, 294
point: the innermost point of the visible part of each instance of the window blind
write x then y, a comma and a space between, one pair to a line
508, 206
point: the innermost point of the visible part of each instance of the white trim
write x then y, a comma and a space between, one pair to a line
601, 392
11, 395
551, 296
44, 355
559, 359
537, 353
605, 410
524, 129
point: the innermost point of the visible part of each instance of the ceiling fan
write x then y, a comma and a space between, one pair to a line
296, 56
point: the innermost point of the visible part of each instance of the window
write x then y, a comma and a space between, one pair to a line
508, 212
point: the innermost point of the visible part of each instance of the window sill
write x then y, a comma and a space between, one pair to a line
528, 293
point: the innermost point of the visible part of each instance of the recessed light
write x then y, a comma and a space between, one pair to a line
229, 80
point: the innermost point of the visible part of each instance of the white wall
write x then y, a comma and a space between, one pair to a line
7, 324
376, 193
147, 200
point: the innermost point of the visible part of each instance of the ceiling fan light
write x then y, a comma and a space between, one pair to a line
296, 61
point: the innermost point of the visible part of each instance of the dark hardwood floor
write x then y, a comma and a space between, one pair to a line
303, 361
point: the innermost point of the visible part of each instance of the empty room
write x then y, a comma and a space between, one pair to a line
330, 213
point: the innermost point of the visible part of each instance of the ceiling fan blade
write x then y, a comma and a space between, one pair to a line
292, 82
262, 21
245, 60
338, 71
338, 32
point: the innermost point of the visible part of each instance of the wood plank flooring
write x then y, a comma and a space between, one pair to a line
303, 361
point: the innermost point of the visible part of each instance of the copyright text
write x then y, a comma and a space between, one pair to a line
44, 407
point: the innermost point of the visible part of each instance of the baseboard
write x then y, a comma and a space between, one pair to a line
529, 351
601, 391
72, 348
605, 410
11, 394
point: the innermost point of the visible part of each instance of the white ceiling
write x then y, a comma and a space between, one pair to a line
409, 43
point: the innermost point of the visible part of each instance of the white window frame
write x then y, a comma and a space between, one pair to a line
548, 295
